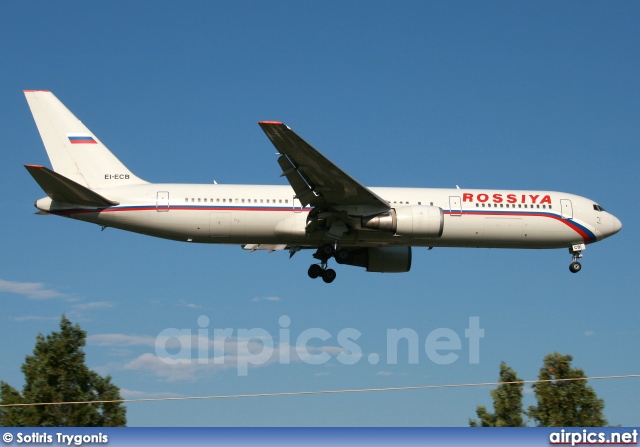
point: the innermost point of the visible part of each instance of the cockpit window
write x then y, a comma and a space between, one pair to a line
598, 207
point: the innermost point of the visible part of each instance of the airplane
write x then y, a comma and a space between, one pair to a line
323, 208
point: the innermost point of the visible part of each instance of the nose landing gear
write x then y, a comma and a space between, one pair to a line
575, 267
576, 253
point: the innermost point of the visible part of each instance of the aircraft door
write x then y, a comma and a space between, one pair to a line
162, 201
297, 206
455, 206
566, 209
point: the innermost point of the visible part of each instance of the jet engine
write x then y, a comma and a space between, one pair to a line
419, 221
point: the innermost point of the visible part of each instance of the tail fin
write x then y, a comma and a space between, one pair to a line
75, 152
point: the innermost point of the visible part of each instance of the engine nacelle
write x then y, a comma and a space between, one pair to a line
419, 221
381, 259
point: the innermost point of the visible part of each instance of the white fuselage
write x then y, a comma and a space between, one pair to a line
263, 214
322, 208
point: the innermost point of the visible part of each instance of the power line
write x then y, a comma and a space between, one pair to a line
303, 393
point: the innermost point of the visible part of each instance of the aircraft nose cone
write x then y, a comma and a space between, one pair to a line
617, 225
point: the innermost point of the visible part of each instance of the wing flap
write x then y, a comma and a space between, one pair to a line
62, 189
297, 181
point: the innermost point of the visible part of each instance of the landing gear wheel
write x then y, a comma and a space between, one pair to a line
576, 253
326, 251
314, 271
329, 275
342, 256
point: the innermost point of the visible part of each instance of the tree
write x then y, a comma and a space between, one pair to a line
507, 403
565, 403
56, 373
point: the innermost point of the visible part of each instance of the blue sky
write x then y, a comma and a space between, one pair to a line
538, 95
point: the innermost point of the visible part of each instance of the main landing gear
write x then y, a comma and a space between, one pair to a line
317, 270
324, 253
576, 253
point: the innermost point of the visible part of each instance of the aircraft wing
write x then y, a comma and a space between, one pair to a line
315, 179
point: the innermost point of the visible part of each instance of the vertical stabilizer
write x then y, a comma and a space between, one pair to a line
75, 152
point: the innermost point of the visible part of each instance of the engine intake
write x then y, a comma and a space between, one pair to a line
417, 221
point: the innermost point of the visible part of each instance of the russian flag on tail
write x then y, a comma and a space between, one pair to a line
81, 138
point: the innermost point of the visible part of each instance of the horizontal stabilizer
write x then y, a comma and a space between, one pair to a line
62, 189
